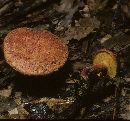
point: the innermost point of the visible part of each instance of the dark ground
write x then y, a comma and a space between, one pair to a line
85, 26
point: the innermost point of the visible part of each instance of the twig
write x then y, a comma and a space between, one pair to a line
114, 112
6, 8
3, 2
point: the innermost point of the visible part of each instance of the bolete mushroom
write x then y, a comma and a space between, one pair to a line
34, 52
106, 59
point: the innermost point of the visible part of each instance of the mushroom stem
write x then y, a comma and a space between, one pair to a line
99, 70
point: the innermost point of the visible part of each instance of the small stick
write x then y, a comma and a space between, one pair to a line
6, 8
3, 2
114, 112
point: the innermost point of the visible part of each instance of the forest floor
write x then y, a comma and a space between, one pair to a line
85, 26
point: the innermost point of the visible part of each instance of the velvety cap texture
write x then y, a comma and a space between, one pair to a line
34, 52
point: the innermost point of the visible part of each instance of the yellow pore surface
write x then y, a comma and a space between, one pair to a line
106, 59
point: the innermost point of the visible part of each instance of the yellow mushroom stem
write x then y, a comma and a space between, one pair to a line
106, 59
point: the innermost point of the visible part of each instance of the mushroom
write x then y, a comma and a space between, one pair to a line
105, 58
34, 52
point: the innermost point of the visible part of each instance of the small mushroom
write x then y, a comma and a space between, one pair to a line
34, 52
106, 58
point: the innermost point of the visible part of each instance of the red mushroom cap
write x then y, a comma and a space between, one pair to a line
34, 52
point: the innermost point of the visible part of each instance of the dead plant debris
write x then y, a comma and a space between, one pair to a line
78, 90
